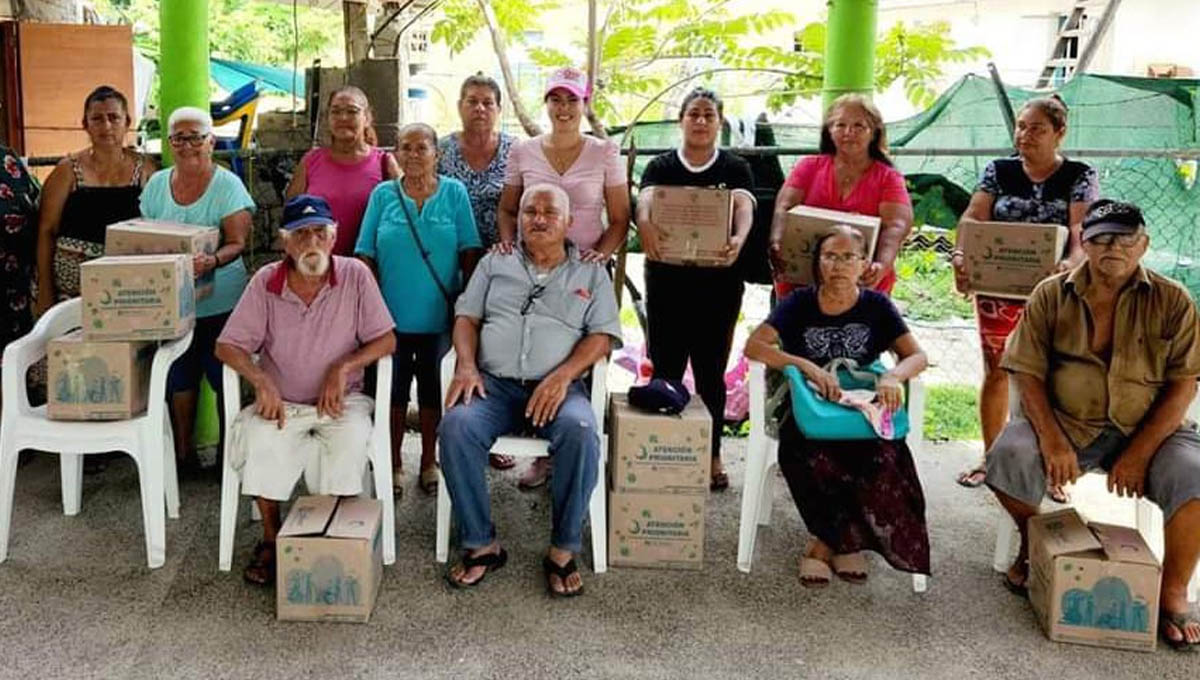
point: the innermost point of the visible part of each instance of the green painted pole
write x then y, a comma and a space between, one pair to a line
849, 48
183, 59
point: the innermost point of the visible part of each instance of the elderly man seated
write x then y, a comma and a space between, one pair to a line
1106, 360
529, 325
316, 320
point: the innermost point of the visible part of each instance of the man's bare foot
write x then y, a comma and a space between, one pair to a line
476, 564
562, 575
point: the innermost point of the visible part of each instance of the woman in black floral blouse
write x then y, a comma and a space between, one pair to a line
18, 202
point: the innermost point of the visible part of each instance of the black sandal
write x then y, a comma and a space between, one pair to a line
562, 571
261, 571
489, 561
720, 482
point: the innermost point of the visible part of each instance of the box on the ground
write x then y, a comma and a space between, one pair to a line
97, 380
1093, 584
801, 229
141, 236
654, 452
661, 531
693, 224
137, 297
329, 559
1008, 259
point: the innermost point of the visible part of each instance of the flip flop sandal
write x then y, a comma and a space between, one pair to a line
1058, 495
261, 571
398, 479
489, 561
815, 573
720, 482
429, 481
851, 568
499, 461
1180, 621
562, 571
1018, 589
973, 478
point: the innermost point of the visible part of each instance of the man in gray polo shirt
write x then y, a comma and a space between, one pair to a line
529, 325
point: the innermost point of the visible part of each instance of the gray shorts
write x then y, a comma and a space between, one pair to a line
1014, 464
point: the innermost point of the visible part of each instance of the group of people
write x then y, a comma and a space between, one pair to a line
497, 247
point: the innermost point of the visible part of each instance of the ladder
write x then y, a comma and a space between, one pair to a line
1078, 38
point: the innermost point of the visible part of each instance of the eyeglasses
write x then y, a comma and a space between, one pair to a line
1123, 240
840, 258
190, 140
534, 294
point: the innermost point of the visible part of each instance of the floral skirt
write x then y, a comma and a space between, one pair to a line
858, 495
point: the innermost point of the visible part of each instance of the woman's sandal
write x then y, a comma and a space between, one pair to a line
489, 561
261, 571
1018, 589
972, 478
1180, 621
815, 573
398, 478
851, 568
562, 571
429, 480
500, 461
720, 482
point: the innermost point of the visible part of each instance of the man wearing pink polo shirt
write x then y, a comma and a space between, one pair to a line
315, 320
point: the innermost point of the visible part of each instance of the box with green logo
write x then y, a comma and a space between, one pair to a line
137, 297
1008, 259
660, 531
803, 225
694, 224
658, 453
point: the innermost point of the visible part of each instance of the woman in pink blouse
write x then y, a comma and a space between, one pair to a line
345, 172
852, 174
587, 168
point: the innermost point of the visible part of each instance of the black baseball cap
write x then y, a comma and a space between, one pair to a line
1107, 216
306, 210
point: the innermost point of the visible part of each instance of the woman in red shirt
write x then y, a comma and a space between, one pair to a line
852, 174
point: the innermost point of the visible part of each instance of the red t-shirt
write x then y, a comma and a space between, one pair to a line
881, 183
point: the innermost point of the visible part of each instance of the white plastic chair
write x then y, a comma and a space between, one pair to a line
762, 454
1147, 517
530, 447
379, 453
146, 438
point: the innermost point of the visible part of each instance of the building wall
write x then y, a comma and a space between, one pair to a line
57, 11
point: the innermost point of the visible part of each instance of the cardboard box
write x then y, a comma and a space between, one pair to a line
329, 559
660, 531
1093, 584
97, 380
137, 297
159, 237
801, 229
1008, 259
651, 452
694, 224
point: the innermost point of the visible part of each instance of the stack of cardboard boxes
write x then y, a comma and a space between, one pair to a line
658, 484
130, 301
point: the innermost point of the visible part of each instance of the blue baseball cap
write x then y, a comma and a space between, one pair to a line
660, 396
306, 210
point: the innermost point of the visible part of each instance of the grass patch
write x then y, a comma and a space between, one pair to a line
952, 412
925, 288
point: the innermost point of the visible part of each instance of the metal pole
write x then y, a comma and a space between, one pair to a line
183, 59
1006, 108
849, 48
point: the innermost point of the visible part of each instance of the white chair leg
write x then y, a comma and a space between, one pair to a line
170, 475
229, 510
150, 478
1006, 535
920, 583
766, 494
382, 468
1149, 523
8, 479
255, 513
916, 415
598, 516
752, 488
442, 549
71, 467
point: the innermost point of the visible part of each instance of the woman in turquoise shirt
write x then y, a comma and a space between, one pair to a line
199, 192
420, 238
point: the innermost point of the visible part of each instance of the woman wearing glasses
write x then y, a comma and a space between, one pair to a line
87, 191
1038, 185
199, 192
851, 174
345, 172
676, 333
853, 495
418, 236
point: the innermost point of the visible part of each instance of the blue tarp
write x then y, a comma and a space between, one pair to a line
230, 75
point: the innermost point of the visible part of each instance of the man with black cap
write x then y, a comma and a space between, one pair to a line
316, 320
1106, 360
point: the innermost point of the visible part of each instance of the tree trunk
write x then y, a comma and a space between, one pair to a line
594, 41
498, 43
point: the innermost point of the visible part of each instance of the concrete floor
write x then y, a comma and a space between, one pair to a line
76, 600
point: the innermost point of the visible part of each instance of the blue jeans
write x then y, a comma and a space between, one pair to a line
467, 433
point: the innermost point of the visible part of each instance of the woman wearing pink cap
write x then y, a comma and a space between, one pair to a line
589, 169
